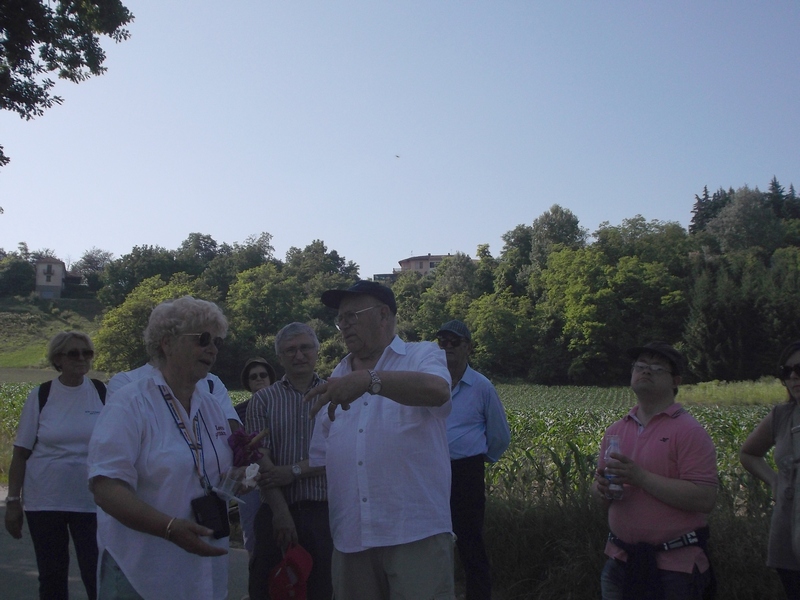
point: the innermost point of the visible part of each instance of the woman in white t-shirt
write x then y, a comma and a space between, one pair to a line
48, 473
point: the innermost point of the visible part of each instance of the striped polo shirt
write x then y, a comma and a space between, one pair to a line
281, 409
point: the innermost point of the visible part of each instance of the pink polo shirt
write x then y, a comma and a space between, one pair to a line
675, 445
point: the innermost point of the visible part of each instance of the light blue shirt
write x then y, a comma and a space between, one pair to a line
477, 423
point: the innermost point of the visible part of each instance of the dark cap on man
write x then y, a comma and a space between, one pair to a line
456, 327
333, 298
674, 357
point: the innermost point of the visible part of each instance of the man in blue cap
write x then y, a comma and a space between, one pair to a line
477, 432
385, 455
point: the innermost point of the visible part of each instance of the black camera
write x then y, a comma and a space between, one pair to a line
212, 511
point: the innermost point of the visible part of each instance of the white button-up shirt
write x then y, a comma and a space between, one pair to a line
137, 441
387, 464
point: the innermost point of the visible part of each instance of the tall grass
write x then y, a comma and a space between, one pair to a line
545, 535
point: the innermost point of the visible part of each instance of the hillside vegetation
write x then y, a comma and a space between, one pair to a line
27, 327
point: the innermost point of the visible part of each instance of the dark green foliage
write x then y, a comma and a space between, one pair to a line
747, 221
91, 265
727, 334
124, 274
61, 37
706, 208
558, 227
553, 308
221, 269
17, 276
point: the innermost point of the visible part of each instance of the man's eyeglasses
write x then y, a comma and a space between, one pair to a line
451, 342
204, 339
292, 350
259, 375
787, 370
639, 367
350, 317
77, 354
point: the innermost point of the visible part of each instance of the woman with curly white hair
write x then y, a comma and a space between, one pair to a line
159, 448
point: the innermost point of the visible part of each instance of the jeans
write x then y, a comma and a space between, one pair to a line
677, 586
50, 533
114, 585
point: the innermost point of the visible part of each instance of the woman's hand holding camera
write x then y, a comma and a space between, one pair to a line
189, 536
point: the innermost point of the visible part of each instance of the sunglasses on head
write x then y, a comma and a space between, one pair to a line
786, 371
76, 354
204, 339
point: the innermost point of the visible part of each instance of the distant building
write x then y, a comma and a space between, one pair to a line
50, 275
419, 264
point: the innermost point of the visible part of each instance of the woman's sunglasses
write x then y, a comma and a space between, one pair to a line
786, 371
204, 339
77, 354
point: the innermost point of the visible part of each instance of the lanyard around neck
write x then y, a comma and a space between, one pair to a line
196, 444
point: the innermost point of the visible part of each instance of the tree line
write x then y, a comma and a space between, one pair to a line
557, 306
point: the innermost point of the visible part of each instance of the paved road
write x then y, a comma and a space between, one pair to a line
19, 577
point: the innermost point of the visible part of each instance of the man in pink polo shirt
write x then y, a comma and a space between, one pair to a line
667, 465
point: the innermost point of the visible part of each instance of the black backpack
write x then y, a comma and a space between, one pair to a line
44, 392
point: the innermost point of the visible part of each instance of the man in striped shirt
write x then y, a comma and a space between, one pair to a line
294, 500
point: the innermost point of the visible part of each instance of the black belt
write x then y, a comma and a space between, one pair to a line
699, 537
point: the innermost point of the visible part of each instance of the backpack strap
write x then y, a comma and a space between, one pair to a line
101, 390
44, 392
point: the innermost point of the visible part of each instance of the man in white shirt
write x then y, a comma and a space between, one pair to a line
385, 454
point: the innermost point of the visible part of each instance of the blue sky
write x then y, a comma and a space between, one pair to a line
234, 118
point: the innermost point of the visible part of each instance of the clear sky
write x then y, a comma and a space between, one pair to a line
390, 129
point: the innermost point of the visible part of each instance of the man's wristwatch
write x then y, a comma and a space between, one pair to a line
296, 471
375, 384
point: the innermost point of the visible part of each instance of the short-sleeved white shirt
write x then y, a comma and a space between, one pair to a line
138, 442
120, 380
387, 465
55, 473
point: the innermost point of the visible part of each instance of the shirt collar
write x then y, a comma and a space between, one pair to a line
672, 411
315, 381
468, 378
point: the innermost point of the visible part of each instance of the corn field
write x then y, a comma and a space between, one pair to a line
544, 533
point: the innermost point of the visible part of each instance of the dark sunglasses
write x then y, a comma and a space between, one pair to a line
786, 371
451, 342
254, 376
204, 339
77, 354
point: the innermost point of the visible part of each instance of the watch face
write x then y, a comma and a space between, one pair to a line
375, 386
296, 470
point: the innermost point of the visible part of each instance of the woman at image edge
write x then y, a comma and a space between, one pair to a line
775, 430
48, 469
160, 444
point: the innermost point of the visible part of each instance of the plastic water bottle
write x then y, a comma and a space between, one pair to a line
615, 489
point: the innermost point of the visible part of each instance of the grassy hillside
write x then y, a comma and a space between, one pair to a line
27, 326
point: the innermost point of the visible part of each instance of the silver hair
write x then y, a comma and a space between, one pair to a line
292, 330
184, 315
60, 341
